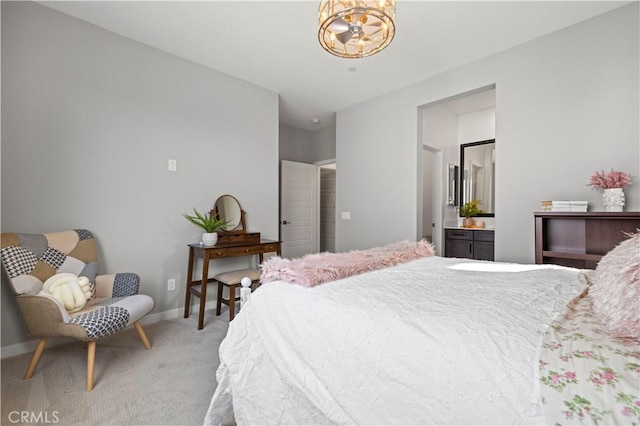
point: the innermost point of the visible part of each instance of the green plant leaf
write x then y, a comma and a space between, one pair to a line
207, 222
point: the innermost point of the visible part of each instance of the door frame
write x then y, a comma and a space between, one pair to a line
320, 164
437, 198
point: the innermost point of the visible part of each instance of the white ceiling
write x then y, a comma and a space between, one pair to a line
273, 44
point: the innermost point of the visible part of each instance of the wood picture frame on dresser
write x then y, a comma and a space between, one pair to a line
580, 240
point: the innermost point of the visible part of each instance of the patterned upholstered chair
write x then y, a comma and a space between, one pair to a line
113, 300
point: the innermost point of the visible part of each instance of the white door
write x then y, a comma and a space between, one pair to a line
298, 208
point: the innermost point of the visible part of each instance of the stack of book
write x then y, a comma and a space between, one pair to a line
564, 206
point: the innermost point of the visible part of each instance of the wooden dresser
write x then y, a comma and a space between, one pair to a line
580, 240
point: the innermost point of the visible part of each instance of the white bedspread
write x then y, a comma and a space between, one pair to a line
419, 343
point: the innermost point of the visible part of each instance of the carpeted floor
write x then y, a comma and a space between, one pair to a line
172, 384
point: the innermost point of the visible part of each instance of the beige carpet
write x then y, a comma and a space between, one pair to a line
172, 384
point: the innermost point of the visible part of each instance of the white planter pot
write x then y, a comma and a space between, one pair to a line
209, 239
613, 199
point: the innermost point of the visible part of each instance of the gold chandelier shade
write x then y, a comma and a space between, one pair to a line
356, 28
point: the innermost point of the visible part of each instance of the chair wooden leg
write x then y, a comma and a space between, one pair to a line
91, 363
142, 335
35, 358
232, 302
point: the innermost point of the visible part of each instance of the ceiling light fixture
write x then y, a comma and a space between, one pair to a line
356, 28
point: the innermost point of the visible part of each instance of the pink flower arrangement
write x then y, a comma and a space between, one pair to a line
613, 179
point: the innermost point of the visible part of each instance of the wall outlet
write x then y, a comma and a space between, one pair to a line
171, 284
173, 165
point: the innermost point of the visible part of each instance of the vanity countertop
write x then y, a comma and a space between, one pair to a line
486, 228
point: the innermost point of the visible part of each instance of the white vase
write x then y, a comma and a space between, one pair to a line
613, 199
209, 239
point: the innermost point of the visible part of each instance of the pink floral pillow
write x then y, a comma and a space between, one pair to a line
615, 289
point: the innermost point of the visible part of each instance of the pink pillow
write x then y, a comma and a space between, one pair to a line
615, 289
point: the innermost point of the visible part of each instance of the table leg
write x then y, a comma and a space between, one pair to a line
203, 289
187, 301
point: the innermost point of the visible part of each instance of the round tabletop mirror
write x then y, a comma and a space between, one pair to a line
227, 208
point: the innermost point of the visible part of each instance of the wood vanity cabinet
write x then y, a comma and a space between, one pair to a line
469, 243
579, 240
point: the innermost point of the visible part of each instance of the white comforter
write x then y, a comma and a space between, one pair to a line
419, 343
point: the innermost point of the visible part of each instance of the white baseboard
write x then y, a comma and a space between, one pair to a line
25, 347
175, 313
30, 346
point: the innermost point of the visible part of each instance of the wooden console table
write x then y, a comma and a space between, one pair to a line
219, 251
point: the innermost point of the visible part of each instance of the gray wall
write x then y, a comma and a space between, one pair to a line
567, 104
295, 144
89, 121
323, 145
306, 146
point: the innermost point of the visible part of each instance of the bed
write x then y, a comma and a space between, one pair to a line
427, 341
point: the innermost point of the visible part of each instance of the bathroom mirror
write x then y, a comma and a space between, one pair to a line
477, 175
228, 208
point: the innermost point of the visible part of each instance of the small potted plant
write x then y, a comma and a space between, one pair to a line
209, 224
468, 211
612, 184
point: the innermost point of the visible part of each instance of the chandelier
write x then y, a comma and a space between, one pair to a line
356, 28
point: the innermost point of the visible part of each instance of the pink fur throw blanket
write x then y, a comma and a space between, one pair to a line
314, 269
